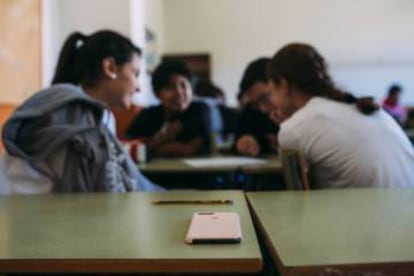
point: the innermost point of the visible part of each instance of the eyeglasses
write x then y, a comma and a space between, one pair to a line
261, 102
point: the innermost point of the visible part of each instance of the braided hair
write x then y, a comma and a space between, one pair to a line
301, 65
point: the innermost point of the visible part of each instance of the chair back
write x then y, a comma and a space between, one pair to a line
295, 169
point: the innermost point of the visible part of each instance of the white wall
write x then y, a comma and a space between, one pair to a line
90, 15
66, 16
154, 21
367, 43
50, 39
154, 18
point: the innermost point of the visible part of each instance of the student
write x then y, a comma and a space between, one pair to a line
256, 133
393, 107
59, 139
205, 89
177, 127
223, 118
347, 141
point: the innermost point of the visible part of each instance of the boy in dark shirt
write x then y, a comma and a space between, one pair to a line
177, 127
256, 132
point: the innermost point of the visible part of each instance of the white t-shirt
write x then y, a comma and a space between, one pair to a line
346, 148
108, 119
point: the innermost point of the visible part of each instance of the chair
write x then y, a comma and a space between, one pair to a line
124, 118
295, 169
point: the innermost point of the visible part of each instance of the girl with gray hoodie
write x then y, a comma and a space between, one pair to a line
59, 139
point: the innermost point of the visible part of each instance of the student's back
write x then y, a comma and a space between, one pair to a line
58, 129
349, 149
347, 141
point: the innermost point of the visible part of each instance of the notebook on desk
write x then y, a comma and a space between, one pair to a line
223, 161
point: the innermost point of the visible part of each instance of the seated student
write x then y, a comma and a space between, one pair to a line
256, 133
392, 106
347, 141
223, 118
205, 89
59, 140
177, 127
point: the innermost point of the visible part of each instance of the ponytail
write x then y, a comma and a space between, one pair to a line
66, 67
80, 61
366, 105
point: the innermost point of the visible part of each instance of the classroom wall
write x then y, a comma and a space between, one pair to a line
368, 43
154, 23
51, 38
154, 18
66, 16
87, 16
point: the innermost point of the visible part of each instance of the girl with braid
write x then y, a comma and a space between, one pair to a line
347, 141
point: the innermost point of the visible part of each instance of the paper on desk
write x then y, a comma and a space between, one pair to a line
223, 161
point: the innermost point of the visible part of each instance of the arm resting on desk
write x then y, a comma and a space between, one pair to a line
179, 148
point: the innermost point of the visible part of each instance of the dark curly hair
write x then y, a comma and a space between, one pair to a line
256, 71
162, 74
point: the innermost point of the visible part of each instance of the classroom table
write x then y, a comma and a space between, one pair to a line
178, 165
338, 232
118, 233
172, 172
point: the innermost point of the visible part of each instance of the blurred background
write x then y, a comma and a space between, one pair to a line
368, 44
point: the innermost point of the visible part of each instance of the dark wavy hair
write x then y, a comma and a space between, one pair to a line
256, 71
301, 65
81, 56
162, 74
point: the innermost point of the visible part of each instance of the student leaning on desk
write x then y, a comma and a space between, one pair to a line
255, 132
59, 140
347, 141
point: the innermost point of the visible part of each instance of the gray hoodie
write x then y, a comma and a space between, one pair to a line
60, 133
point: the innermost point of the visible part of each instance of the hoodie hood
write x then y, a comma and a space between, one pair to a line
47, 119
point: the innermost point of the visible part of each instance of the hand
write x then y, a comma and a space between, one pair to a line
272, 141
173, 129
167, 133
247, 145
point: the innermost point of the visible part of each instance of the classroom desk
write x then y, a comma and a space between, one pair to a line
176, 174
273, 164
338, 232
118, 233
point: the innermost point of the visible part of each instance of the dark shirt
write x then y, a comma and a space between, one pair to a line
257, 124
230, 116
195, 121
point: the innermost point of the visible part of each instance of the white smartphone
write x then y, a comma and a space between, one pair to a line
214, 227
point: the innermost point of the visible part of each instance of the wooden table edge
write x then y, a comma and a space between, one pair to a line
389, 268
252, 265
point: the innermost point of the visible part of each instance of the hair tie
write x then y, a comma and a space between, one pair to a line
80, 40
